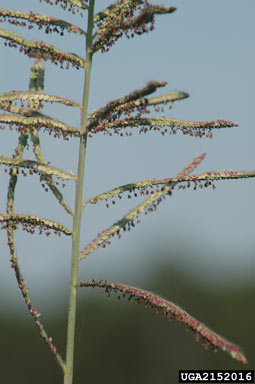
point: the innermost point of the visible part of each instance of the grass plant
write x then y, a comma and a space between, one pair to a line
22, 110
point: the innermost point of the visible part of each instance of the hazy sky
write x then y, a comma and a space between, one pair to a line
206, 48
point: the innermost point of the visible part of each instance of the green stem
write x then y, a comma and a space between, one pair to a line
78, 204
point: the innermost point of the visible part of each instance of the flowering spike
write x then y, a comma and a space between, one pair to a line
37, 167
121, 18
42, 50
51, 24
32, 111
37, 122
33, 221
193, 164
169, 309
215, 175
149, 204
19, 110
32, 310
194, 128
69, 4
145, 184
33, 96
124, 103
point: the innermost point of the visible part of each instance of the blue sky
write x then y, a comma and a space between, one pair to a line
205, 49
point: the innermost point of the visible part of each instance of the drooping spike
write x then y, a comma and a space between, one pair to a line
169, 309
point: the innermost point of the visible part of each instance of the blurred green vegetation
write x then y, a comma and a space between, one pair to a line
122, 342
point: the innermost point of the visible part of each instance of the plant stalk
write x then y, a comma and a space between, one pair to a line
78, 204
